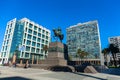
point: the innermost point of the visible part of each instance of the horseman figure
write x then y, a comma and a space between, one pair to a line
58, 34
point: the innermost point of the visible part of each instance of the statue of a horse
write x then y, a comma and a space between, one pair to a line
58, 34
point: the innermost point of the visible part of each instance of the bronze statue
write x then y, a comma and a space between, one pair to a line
58, 34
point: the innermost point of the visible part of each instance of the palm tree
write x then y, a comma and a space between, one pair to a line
105, 52
45, 48
86, 54
81, 54
113, 50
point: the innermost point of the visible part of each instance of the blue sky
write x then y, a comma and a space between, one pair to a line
64, 13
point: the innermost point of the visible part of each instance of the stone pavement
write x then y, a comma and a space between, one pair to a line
10, 73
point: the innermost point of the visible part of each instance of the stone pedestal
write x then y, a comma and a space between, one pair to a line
56, 55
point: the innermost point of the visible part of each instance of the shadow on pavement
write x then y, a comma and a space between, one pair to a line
89, 76
14, 78
113, 71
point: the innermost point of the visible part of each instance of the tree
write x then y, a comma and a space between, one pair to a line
69, 57
86, 54
113, 50
105, 52
45, 48
81, 54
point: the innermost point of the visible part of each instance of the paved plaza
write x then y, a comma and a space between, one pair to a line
10, 73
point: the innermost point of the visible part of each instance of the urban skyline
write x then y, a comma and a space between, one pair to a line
54, 13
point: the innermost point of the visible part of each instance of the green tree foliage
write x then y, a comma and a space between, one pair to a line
113, 50
45, 48
105, 52
82, 54
69, 57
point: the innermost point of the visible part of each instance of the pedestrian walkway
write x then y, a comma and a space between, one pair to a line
10, 73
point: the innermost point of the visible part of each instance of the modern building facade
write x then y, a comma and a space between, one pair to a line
86, 37
26, 39
116, 41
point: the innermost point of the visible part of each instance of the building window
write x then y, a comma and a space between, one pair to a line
42, 45
28, 42
7, 32
46, 42
26, 54
8, 26
5, 54
24, 41
46, 37
29, 36
35, 33
10, 31
39, 34
25, 35
39, 29
38, 45
30, 31
43, 31
43, 40
5, 36
33, 50
35, 27
33, 43
27, 48
11, 25
46, 33
6, 48
38, 50
26, 23
25, 29
41, 50
4, 42
38, 39
34, 38
3, 48
8, 36
43, 36
30, 25
7, 41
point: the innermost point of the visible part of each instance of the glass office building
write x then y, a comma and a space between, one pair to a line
25, 38
86, 37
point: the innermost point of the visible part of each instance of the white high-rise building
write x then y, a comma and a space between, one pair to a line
25, 38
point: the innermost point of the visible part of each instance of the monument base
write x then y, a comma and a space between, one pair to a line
54, 62
55, 55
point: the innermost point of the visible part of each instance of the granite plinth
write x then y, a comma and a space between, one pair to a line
55, 55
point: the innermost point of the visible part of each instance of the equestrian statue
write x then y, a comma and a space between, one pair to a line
58, 34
